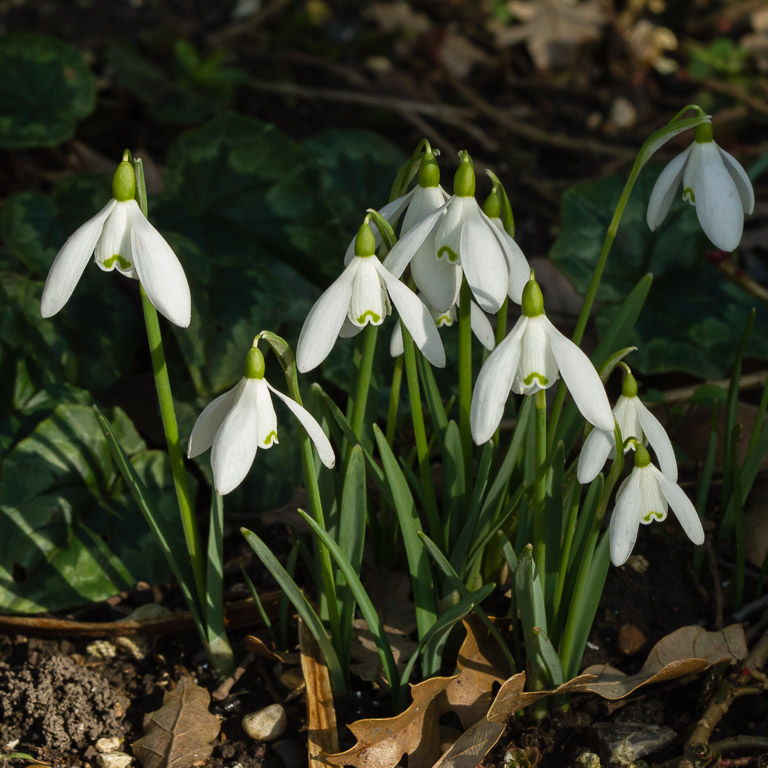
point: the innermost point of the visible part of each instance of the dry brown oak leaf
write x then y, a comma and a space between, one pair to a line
181, 732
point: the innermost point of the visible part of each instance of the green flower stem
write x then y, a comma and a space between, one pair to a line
168, 415
465, 378
363, 382
420, 436
675, 126
501, 332
540, 485
394, 399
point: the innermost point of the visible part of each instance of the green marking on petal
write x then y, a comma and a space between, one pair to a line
116, 259
369, 313
449, 252
443, 320
689, 196
270, 439
653, 515
528, 380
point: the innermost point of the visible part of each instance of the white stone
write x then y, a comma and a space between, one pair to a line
107, 744
265, 724
114, 760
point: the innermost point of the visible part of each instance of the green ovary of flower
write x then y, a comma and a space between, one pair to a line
117, 259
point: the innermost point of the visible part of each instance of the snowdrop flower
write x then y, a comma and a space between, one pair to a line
531, 358
364, 293
714, 182
479, 322
519, 270
242, 420
635, 421
463, 236
120, 237
644, 497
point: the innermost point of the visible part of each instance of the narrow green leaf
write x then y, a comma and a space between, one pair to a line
418, 560
302, 606
370, 615
432, 395
454, 482
181, 567
549, 656
220, 650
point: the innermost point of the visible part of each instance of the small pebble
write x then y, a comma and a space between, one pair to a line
114, 760
630, 640
101, 649
292, 754
107, 744
292, 678
266, 724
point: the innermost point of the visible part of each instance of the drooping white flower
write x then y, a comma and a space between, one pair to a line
361, 295
120, 237
531, 358
644, 497
463, 236
242, 420
714, 182
635, 421
480, 324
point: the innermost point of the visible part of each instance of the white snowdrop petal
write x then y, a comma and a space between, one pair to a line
659, 440
425, 201
113, 250
653, 505
483, 262
665, 189
266, 419
517, 265
313, 429
682, 506
70, 262
415, 317
438, 279
349, 330
368, 302
625, 412
494, 383
209, 421
625, 520
581, 378
718, 204
396, 342
235, 444
740, 179
481, 326
448, 238
321, 328
594, 453
537, 368
404, 249
158, 269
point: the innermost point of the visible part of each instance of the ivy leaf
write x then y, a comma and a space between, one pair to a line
45, 88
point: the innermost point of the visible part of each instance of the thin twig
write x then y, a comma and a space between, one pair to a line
223, 690
683, 394
246, 26
743, 280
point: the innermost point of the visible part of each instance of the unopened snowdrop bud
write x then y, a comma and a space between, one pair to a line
714, 182
242, 420
637, 426
643, 497
492, 205
120, 237
531, 358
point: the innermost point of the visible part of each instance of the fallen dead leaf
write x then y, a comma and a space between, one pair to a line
381, 743
181, 731
321, 715
479, 666
259, 648
686, 651
553, 30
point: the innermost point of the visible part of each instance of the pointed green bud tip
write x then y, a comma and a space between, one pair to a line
532, 304
629, 387
642, 457
429, 171
464, 180
702, 134
254, 364
492, 205
365, 242
124, 182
